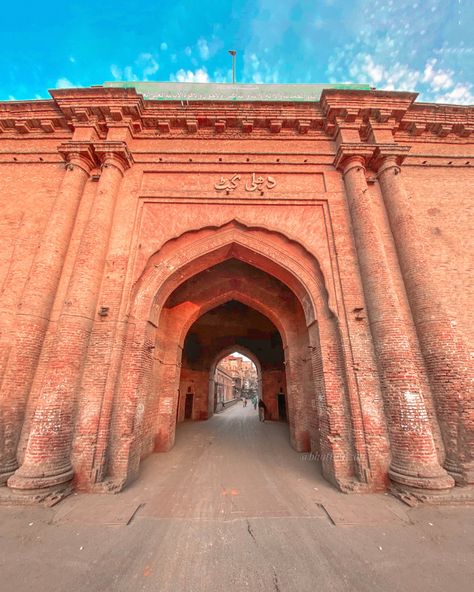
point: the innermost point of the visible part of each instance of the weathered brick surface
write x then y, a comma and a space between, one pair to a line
352, 235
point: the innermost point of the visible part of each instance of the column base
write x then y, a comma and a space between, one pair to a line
462, 474
26, 482
43, 497
456, 495
7, 470
420, 480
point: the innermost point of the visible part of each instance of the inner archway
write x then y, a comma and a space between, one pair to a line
227, 327
227, 306
238, 368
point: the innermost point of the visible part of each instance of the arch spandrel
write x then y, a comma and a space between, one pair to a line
170, 244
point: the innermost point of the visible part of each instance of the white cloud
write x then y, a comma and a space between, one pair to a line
395, 45
438, 79
254, 62
433, 83
116, 72
203, 48
64, 83
148, 64
199, 75
163, 46
374, 71
143, 68
386, 43
72, 59
364, 69
259, 70
11, 98
188, 51
457, 51
318, 23
222, 75
129, 74
461, 94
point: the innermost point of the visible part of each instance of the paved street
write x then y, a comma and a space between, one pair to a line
232, 507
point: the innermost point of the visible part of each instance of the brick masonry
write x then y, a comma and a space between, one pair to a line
338, 234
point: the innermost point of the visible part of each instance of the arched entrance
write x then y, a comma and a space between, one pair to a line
275, 277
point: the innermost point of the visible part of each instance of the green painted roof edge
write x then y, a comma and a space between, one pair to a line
208, 91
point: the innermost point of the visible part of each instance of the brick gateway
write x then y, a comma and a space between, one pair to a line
145, 235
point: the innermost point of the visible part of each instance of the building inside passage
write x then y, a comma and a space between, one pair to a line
149, 230
235, 378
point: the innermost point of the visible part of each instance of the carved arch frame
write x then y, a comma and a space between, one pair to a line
282, 257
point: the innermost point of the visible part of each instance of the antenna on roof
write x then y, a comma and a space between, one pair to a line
233, 53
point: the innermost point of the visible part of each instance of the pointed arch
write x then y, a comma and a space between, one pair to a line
227, 351
257, 304
241, 350
146, 383
196, 250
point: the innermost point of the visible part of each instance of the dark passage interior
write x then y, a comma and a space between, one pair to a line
228, 327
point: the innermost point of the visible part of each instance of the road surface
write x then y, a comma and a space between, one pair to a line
232, 508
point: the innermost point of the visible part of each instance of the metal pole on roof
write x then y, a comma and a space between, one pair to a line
233, 53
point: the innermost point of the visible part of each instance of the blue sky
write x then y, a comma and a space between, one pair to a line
422, 45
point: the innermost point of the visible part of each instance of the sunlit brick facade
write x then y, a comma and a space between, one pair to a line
329, 236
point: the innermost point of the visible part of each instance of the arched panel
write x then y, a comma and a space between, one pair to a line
193, 252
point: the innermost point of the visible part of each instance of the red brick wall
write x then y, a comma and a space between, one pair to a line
442, 200
170, 222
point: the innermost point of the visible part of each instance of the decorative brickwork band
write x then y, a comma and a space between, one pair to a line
37, 300
414, 465
449, 365
47, 464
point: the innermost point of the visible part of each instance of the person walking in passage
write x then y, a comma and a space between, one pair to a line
254, 402
261, 410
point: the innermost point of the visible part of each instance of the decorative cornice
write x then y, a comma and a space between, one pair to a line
385, 152
104, 108
79, 154
372, 155
29, 117
438, 120
114, 153
99, 102
362, 105
346, 152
